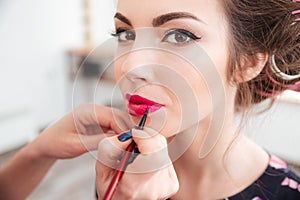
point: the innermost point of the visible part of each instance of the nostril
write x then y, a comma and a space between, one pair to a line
137, 79
136, 76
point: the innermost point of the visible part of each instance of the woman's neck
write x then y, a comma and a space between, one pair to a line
229, 165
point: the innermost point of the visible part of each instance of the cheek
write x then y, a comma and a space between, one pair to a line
117, 70
185, 110
172, 117
203, 97
182, 114
200, 85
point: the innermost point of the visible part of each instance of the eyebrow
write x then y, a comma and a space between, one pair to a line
122, 18
162, 19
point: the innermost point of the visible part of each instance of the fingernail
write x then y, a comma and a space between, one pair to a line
125, 136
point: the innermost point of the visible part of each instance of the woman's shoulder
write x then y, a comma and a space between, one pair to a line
277, 182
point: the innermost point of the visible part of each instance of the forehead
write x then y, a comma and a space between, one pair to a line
141, 12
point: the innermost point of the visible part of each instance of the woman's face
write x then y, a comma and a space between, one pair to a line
160, 42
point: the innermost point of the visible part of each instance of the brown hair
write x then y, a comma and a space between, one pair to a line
263, 26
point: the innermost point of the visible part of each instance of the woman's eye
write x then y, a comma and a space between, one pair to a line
124, 35
179, 37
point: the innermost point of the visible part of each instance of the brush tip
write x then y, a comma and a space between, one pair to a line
143, 120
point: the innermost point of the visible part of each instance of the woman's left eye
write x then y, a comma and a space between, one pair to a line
179, 37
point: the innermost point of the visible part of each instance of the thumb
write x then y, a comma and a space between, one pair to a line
153, 149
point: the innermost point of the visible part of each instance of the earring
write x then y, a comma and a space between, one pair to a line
279, 73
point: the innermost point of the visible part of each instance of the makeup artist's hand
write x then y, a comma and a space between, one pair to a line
151, 176
74, 134
79, 131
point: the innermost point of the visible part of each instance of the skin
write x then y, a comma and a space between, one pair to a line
61, 140
234, 161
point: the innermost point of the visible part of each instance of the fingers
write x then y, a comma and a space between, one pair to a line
148, 140
113, 118
94, 119
109, 149
153, 152
61, 139
148, 176
89, 142
108, 152
151, 145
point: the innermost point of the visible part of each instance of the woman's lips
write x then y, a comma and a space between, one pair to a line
137, 105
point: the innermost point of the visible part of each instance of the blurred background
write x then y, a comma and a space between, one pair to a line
42, 44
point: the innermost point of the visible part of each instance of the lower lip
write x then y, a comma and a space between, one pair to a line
140, 109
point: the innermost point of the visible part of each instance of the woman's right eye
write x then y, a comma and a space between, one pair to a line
124, 35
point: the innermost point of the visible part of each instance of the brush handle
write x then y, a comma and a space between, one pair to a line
119, 172
123, 163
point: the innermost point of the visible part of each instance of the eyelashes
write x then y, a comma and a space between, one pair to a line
179, 37
124, 34
174, 36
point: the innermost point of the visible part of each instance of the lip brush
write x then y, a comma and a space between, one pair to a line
123, 163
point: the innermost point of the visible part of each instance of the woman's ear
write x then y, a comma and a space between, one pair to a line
251, 66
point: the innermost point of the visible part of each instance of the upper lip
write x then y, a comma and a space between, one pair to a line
136, 99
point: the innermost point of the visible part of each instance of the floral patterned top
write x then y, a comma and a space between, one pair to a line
278, 182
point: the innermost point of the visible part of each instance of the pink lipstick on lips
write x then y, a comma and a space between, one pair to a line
137, 105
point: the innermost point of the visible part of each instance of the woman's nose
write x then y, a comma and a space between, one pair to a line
139, 58
138, 65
